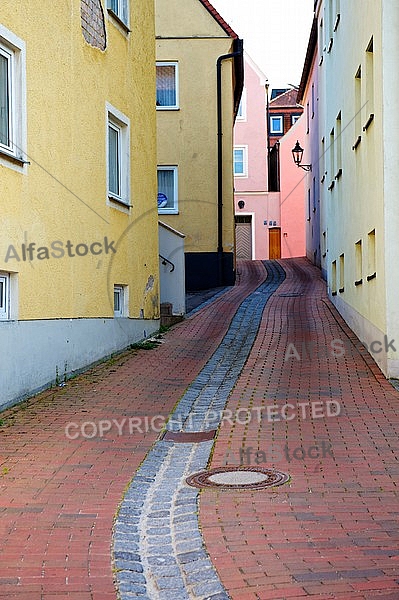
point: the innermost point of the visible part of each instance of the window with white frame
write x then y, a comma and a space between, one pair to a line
12, 96
276, 124
242, 109
167, 85
5, 98
120, 300
167, 190
4, 296
295, 118
118, 156
240, 161
120, 8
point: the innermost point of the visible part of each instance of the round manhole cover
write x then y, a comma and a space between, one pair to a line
238, 478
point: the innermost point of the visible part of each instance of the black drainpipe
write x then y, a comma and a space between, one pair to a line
239, 52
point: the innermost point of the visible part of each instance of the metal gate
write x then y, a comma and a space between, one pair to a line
244, 237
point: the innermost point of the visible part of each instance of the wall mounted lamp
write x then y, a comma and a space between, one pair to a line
297, 154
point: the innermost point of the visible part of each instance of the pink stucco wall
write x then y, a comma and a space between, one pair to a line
292, 186
263, 209
283, 209
252, 131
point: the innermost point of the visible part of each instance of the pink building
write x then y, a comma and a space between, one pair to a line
268, 224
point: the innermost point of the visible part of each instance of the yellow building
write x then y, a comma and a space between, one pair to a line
199, 85
356, 100
78, 241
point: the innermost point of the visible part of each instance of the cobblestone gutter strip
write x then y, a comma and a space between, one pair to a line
211, 388
158, 549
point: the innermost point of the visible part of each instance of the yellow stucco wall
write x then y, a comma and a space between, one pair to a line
187, 137
62, 194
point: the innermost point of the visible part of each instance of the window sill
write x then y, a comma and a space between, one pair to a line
373, 276
368, 122
358, 282
170, 211
356, 144
13, 159
119, 201
121, 23
167, 107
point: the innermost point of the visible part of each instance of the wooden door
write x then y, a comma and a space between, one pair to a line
274, 242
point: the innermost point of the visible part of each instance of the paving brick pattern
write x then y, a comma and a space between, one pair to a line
58, 495
157, 523
332, 532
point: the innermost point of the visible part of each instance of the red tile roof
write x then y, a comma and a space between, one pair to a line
288, 98
225, 26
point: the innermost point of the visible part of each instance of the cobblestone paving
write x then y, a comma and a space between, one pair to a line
158, 548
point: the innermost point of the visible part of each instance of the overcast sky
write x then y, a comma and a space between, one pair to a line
275, 34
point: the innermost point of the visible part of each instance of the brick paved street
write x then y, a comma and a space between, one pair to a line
331, 532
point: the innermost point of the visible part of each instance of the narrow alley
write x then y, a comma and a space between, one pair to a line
95, 503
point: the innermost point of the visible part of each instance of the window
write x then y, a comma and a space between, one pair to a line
294, 119
118, 156
358, 106
276, 125
341, 273
324, 244
359, 262
313, 100
334, 278
120, 9
167, 190
332, 159
240, 161
12, 98
371, 256
4, 296
167, 85
338, 125
5, 112
322, 160
314, 194
369, 84
120, 300
338, 14
242, 109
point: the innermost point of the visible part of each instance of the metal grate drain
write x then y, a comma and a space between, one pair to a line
243, 478
188, 437
291, 295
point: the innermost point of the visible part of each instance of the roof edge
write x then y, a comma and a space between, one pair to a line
310, 52
218, 18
